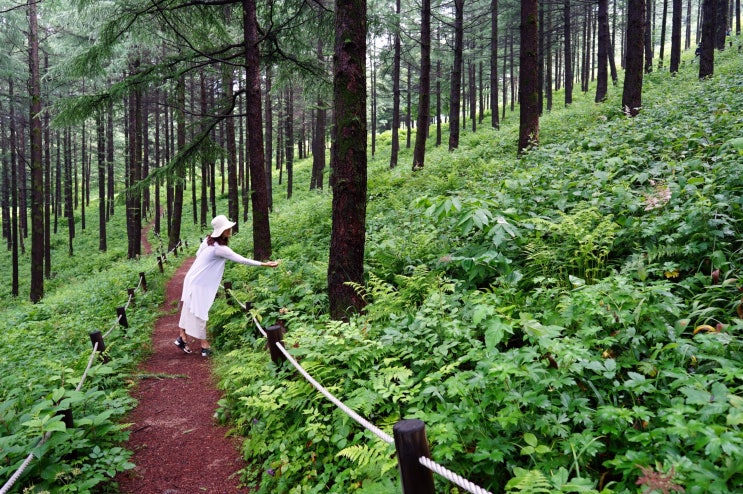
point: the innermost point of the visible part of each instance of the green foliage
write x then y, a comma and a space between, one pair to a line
553, 319
46, 348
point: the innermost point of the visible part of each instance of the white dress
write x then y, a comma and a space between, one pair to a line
201, 284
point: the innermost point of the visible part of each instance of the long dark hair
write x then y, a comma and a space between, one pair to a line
221, 240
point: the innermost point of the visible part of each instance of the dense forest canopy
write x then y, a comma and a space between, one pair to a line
140, 97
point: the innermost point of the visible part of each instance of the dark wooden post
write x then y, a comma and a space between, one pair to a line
144, 281
227, 288
121, 313
248, 308
411, 443
275, 334
97, 337
130, 292
160, 263
67, 418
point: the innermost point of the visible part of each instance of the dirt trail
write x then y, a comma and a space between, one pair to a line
178, 448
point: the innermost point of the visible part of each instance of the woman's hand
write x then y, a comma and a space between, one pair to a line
270, 264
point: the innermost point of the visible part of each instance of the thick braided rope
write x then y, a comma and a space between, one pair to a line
30, 456
90, 363
426, 462
17, 474
358, 418
452, 477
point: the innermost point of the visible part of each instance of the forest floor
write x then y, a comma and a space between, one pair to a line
178, 448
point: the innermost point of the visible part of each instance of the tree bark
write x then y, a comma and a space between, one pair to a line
233, 194
568, 58
259, 197
456, 75
676, 36
648, 33
602, 78
707, 55
174, 227
632, 93
37, 164
722, 24
424, 89
395, 144
528, 76
349, 173
494, 120
100, 127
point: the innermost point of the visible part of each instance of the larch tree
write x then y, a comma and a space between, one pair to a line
348, 163
632, 92
494, 120
456, 75
528, 76
36, 162
709, 22
424, 88
676, 36
568, 53
602, 77
259, 196
395, 144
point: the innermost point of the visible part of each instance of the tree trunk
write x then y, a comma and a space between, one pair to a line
318, 139
676, 36
709, 22
528, 76
632, 93
568, 58
395, 145
648, 33
289, 139
349, 176
37, 164
456, 75
111, 190
268, 173
47, 185
13, 191
602, 79
261, 227
409, 110
133, 195
174, 227
101, 153
424, 89
722, 24
663, 22
494, 120
233, 194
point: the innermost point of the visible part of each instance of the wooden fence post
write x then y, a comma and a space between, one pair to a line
121, 313
227, 288
144, 281
411, 443
275, 334
97, 337
160, 264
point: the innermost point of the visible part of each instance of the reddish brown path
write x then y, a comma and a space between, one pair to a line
178, 448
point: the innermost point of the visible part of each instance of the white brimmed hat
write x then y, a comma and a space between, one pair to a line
220, 224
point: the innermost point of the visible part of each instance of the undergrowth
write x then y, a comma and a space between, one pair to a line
567, 321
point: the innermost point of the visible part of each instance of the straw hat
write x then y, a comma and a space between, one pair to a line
220, 224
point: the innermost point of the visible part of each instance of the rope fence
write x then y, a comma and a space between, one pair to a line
409, 438
414, 461
98, 348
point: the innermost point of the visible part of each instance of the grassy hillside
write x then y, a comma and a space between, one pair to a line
569, 320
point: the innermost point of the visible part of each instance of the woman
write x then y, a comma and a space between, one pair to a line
202, 281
